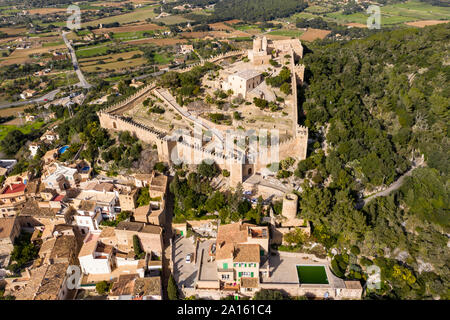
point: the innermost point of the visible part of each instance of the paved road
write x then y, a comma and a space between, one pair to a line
394, 186
83, 82
47, 97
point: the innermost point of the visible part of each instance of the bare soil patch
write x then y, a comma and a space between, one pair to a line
313, 34
11, 111
357, 25
425, 23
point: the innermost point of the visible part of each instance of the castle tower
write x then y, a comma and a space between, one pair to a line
290, 206
257, 44
264, 44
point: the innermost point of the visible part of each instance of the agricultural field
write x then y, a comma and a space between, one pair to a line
92, 51
172, 19
286, 33
117, 61
5, 129
130, 28
140, 14
425, 23
398, 13
313, 34
158, 41
22, 56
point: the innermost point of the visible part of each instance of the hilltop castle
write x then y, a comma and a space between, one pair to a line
239, 166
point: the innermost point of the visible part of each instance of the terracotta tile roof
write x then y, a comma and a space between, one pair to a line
52, 282
6, 226
46, 247
104, 186
151, 229
14, 188
159, 183
249, 282
147, 286
130, 226
138, 227
89, 246
87, 205
107, 232
352, 284
65, 247
246, 253
233, 232
31, 208
140, 214
124, 285
144, 176
225, 251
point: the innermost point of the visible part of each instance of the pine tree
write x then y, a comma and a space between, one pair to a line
172, 289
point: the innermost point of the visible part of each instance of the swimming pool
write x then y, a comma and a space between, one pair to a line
63, 149
308, 274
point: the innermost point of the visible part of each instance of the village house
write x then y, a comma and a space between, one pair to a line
158, 186
127, 197
6, 165
96, 257
136, 84
12, 196
50, 156
34, 148
154, 213
150, 236
9, 231
60, 177
26, 94
133, 287
50, 136
241, 251
142, 180
186, 48
101, 198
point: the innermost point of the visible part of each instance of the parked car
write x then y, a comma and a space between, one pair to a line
188, 258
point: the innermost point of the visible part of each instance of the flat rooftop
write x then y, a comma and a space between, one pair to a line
248, 74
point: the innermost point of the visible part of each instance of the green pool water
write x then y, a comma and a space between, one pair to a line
312, 275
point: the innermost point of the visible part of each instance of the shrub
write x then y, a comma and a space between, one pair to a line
268, 294
137, 247
355, 250
102, 287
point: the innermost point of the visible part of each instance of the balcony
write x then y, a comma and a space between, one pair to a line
230, 286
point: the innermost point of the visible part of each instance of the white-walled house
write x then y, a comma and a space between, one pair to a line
96, 257
88, 217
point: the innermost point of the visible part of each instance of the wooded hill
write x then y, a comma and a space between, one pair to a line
382, 98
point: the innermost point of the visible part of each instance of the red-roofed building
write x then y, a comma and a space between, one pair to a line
12, 196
